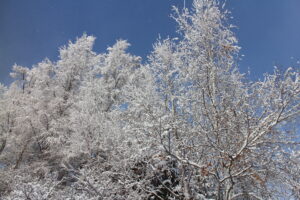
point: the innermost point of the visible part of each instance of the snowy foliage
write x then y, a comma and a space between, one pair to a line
186, 124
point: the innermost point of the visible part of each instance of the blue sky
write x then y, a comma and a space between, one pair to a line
268, 30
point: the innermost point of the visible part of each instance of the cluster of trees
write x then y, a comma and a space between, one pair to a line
185, 125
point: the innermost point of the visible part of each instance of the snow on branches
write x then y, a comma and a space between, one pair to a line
186, 124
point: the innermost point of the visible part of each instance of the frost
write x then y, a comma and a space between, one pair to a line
184, 125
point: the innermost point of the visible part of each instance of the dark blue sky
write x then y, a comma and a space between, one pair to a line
268, 30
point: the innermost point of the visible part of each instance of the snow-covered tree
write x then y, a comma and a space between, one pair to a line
186, 124
102, 98
229, 128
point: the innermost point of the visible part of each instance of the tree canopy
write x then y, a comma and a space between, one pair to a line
185, 124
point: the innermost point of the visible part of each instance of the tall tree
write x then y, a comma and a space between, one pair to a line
229, 128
